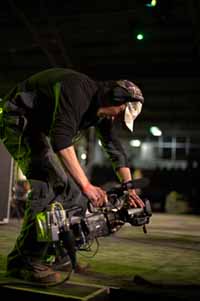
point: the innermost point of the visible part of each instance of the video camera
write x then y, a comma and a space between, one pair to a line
117, 211
75, 232
98, 221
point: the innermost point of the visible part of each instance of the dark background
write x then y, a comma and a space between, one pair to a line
99, 38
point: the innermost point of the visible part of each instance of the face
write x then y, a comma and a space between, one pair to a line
111, 112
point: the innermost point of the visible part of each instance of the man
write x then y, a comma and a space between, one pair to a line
41, 119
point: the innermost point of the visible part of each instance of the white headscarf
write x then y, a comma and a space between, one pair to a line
134, 108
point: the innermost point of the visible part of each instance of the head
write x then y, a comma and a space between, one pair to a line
111, 111
123, 99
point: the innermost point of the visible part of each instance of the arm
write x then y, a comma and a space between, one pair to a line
113, 147
95, 194
124, 174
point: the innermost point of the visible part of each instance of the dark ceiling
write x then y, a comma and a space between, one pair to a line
99, 39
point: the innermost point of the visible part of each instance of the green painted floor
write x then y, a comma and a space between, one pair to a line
168, 255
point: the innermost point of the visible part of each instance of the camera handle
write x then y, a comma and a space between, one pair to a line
122, 189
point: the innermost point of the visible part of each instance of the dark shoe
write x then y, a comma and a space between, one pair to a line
67, 267
64, 266
36, 272
81, 268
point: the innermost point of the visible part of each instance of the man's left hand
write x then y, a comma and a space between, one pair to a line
134, 199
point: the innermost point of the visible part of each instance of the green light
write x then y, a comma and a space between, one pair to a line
140, 36
1, 111
152, 3
155, 131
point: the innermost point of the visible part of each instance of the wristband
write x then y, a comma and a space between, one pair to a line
128, 185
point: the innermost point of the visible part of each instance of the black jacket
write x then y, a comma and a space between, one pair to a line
65, 102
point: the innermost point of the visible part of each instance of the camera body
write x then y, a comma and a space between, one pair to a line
109, 219
69, 230
104, 221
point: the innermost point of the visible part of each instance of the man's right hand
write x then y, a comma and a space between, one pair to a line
95, 194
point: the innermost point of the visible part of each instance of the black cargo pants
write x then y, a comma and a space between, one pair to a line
32, 150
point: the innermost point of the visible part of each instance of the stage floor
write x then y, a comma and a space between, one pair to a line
168, 256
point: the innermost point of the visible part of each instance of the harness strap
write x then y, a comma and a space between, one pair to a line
56, 90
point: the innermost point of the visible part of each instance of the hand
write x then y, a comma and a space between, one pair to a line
134, 199
95, 194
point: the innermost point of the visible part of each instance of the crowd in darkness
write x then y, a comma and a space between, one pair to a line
185, 182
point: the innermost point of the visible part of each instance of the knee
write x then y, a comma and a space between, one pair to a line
41, 195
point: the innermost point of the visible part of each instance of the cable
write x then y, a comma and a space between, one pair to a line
96, 251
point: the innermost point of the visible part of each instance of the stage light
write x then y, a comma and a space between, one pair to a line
83, 156
155, 131
135, 143
99, 142
140, 36
151, 3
